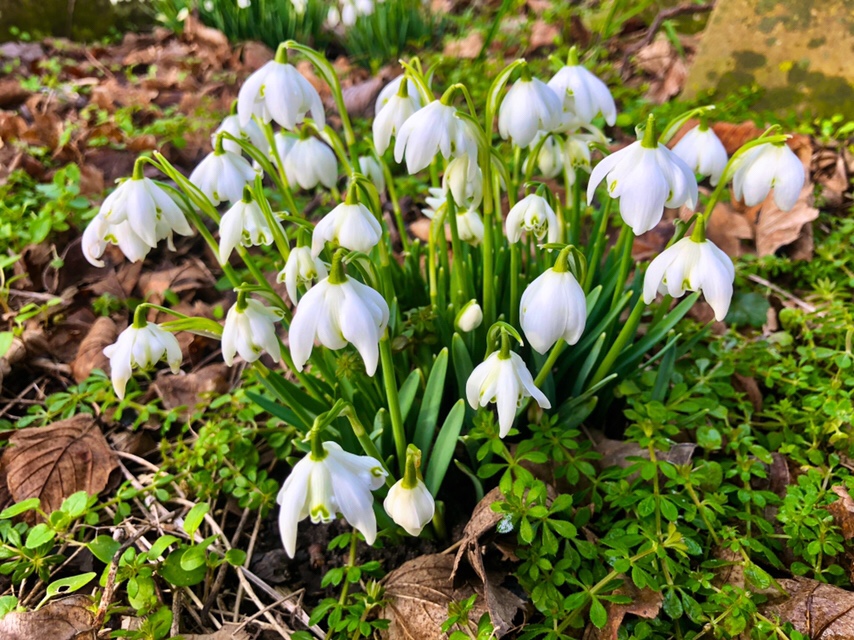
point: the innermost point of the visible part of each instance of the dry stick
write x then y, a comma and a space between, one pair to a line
664, 14
242, 574
806, 306
221, 573
110, 586
273, 605
176, 614
238, 600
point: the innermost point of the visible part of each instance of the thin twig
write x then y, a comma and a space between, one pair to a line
806, 306
664, 14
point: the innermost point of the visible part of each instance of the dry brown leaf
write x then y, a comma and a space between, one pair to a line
645, 603
90, 355
819, 611
734, 136
418, 594
776, 228
750, 388
843, 511
360, 98
188, 277
188, 390
70, 618
52, 462
543, 34
668, 70
465, 48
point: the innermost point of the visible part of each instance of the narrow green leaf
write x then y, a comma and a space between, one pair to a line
69, 585
406, 394
462, 363
428, 416
194, 518
446, 442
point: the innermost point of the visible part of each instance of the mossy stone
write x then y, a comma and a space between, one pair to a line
798, 52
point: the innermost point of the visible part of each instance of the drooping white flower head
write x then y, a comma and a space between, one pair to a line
534, 215
464, 181
529, 106
369, 166
550, 157
250, 133
243, 224
222, 175
341, 482
310, 162
301, 269
411, 508
390, 118
393, 88
300, 6
703, 151
553, 307
469, 222
504, 379
349, 225
646, 176
690, 265
250, 330
348, 12
765, 167
140, 346
436, 128
285, 141
470, 317
277, 91
135, 216
336, 311
584, 96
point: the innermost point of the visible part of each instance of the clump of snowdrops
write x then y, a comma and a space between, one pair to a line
537, 310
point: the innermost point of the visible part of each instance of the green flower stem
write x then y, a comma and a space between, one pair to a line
279, 236
514, 283
390, 384
413, 461
599, 244
620, 343
459, 277
575, 220
395, 203
279, 174
364, 439
549, 364
624, 248
330, 136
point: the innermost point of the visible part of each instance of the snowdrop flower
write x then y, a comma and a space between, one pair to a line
338, 310
765, 167
222, 175
277, 91
692, 264
395, 111
299, 6
309, 162
553, 307
369, 166
243, 224
301, 269
464, 181
140, 345
529, 106
328, 481
244, 4
550, 157
701, 150
504, 379
350, 225
469, 222
470, 317
250, 330
409, 502
584, 96
534, 215
434, 129
646, 176
393, 88
250, 133
285, 141
135, 216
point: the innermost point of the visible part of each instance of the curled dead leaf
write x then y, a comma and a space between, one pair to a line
418, 594
52, 462
70, 618
90, 355
819, 611
467, 48
645, 603
188, 390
